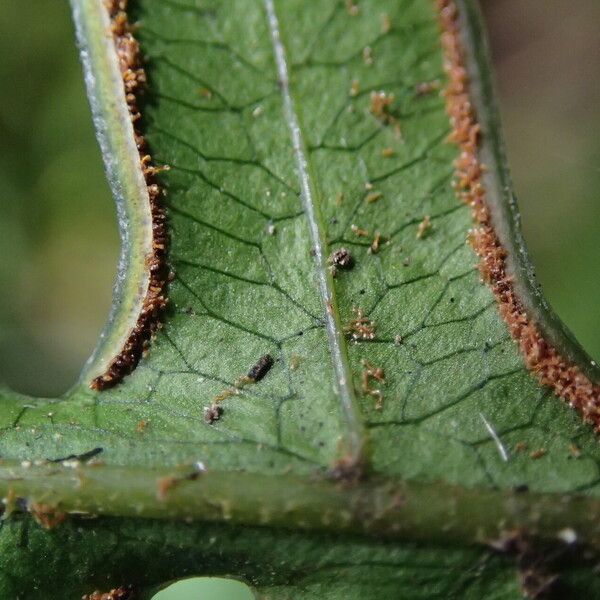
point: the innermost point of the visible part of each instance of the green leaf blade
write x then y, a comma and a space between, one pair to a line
279, 156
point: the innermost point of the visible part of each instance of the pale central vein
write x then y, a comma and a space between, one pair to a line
343, 377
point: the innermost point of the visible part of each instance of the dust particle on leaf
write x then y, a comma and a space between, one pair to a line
424, 227
372, 197
427, 87
294, 362
374, 247
386, 23
352, 8
358, 231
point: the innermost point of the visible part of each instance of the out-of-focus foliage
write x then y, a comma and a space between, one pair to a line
545, 58
58, 234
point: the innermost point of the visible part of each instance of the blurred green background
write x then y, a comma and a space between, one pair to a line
58, 233
545, 56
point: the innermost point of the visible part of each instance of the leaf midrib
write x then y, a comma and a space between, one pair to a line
343, 380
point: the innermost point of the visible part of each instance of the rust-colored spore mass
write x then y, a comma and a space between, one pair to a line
47, 515
155, 301
121, 593
542, 359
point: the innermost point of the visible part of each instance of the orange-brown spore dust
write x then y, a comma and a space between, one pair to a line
121, 593
155, 301
542, 359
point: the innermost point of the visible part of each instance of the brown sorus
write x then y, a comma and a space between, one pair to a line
155, 300
381, 103
141, 426
261, 368
380, 108
551, 369
212, 413
341, 259
538, 453
165, 484
46, 515
361, 327
369, 373
121, 593
347, 470
352, 8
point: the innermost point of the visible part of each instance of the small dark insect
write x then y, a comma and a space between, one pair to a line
212, 413
261, 368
